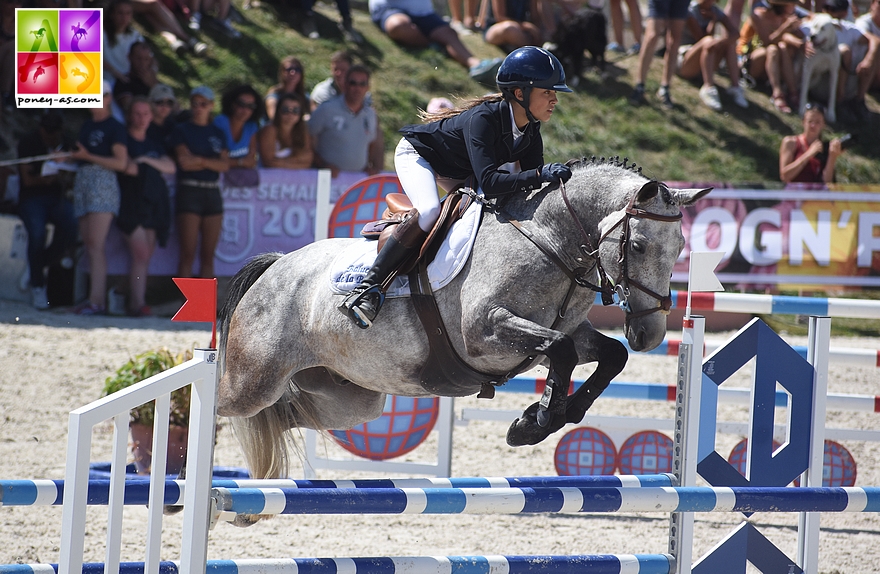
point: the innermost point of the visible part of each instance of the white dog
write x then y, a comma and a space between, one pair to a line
822, 33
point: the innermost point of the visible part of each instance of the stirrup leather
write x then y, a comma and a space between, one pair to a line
371, 297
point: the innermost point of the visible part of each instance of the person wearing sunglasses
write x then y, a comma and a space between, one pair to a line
285, 142
345, 131
201, 155
164, 104
240, 112
291, 80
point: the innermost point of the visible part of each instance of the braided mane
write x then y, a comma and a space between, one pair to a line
613, 161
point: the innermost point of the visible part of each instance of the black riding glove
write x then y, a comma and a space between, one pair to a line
555, 172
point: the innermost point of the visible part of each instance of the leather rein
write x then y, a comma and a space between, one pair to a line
607, 286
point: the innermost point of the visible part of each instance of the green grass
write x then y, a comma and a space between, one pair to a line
690, 143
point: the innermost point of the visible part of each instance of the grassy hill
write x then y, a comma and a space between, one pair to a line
690, 143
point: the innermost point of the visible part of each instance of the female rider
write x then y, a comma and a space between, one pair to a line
476, 140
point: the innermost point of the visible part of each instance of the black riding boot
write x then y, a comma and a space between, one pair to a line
363, 303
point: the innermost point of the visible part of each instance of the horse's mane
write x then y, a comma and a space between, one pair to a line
615, 161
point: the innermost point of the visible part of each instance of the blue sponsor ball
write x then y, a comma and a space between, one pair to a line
585, 451
646, 452
403, 425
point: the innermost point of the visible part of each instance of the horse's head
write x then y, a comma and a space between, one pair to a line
638, 247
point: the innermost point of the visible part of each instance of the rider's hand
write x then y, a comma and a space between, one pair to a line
555, 172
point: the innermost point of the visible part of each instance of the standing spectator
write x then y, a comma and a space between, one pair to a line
415, 24
163, 21
635, 23
200, 149
118, 39
345, 132
858, 57
512, 24
869, 23
463, 22
240, 110
665, 18
291, 79
285, 142
164, 105
141, 76
703, 49
43, 199
803, 158
144, 211
101, 149
768, 43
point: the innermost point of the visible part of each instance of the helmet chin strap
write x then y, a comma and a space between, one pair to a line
525, 104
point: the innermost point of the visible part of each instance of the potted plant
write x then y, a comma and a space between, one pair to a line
144, 366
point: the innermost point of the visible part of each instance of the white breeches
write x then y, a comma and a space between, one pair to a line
419, 183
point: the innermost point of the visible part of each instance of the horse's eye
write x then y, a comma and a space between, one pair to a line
638, 246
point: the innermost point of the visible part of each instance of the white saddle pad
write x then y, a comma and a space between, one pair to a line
350, 266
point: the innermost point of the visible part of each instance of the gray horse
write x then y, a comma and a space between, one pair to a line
289, 359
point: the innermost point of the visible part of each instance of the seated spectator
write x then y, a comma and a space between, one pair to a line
145, 209
704, 46
101, 151
340, 62
769, 41
345, 132
635, 23
858, 59
869, 23
291, 79
164, 105
463, 21
141, 77
119, 36
201, 156
285, 142
42, 200
240, 109
804, 158
415, 24
217, 9
163, 21
512, 24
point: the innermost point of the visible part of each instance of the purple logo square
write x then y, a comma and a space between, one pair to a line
79, 30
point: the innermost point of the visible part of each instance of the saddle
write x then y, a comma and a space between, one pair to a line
444, 372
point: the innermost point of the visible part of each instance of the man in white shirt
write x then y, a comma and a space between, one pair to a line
858, 58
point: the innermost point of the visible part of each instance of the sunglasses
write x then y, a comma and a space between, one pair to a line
168, 103
293, 70
362, 84
246, 105
291, 110
203, 104
818, 107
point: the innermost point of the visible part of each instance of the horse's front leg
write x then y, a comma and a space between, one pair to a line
610, 356
540, 420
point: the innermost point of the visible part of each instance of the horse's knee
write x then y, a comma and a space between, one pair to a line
615, 354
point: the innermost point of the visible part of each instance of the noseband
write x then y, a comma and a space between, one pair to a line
607, 286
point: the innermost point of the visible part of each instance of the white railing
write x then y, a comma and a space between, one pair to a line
201, 372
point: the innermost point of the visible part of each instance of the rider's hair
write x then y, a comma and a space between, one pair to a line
463, 106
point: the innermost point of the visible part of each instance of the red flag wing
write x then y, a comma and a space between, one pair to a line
201, 300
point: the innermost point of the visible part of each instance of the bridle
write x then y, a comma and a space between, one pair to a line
607, 286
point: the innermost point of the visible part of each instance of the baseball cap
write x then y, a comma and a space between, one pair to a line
161, 92
836, 5
203, 91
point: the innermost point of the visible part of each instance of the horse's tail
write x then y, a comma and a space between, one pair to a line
262, 437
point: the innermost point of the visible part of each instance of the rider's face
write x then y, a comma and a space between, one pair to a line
542, 103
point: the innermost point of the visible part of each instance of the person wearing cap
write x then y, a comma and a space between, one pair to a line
869, 24
492, 143
202, 155
858, 58
164, 104
101, 151
769, 42
42, 200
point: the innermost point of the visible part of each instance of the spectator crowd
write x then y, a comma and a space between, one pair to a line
115, 172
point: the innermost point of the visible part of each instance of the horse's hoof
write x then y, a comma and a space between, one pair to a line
171, 510
526, 430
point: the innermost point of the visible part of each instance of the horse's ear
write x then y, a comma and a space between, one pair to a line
649, 190
687, 196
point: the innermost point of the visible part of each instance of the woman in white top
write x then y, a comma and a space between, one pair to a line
118, 39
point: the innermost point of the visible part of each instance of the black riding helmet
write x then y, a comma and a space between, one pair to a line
526, 68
